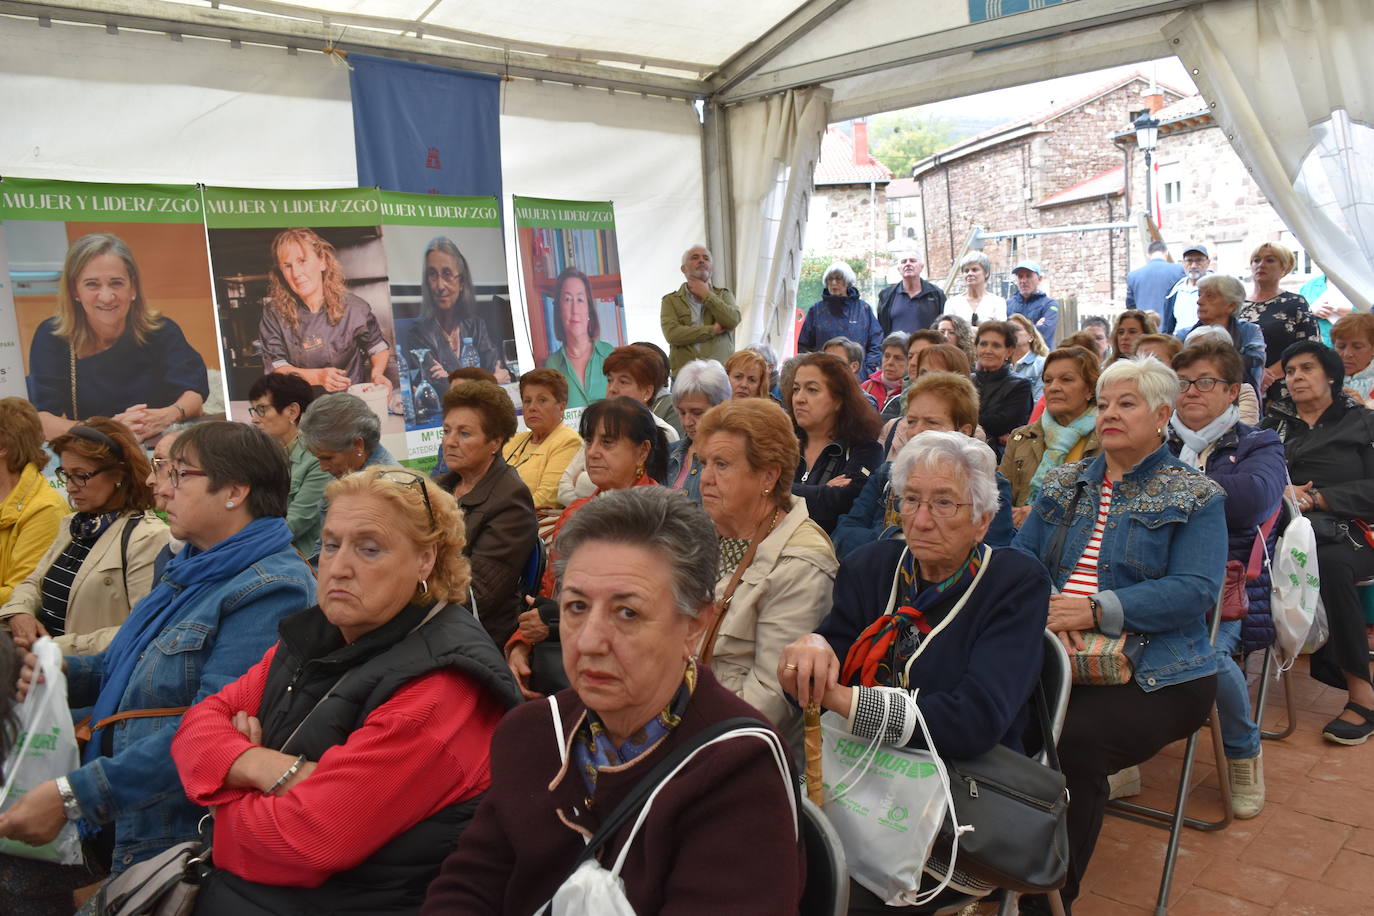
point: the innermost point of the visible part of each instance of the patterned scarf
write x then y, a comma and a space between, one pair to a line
871, 657
1059, 441
593, 748
732, 551
87, 526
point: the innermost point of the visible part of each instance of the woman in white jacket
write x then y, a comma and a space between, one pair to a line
777, 567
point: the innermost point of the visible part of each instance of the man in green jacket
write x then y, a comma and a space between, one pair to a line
698, 319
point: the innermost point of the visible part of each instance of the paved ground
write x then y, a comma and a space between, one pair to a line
1309, 853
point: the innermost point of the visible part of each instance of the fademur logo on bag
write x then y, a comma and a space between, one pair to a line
892, 764
39, 742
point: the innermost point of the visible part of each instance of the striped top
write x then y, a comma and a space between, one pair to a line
1083, 580
57, 584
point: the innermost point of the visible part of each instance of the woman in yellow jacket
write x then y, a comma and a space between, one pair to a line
101, 562
30, 509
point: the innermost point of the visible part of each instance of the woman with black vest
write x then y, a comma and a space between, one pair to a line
344, 765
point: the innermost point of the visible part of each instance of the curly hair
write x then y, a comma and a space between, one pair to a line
279, 294
492, 404
769, 440
71, 317
551, 379
1037, 341
962, 332
21, 435
401, 489
128, 457
855, 418
467, 297
1148, 325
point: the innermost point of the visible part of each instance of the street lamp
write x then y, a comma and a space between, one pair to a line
1146, 136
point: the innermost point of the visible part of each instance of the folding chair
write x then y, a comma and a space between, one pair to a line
1263, 697
827, 877
1174, 821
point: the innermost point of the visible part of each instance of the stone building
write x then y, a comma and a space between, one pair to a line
1204, 194
848, 211
1053, 168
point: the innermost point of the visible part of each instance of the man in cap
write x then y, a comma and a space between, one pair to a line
1180, 306
1028, 300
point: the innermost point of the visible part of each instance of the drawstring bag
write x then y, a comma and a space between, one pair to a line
1299, 618
593, 890
46, 749
887, 805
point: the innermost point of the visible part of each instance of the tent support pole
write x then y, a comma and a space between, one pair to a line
720, 218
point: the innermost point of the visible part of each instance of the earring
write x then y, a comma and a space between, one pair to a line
229, 504
359, 454
424, 587
639, 471
767, 491
118, 484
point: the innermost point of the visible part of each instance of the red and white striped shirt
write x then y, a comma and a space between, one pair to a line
1083, 580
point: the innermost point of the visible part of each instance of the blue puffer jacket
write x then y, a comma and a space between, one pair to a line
1161, 562
1248, 463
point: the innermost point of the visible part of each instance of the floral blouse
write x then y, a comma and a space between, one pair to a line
1284, 320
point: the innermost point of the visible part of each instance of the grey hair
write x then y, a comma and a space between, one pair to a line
1204, 331
852, 348
705, 377
688, 253
1156, 382
897, 339
911, 250
976, 257
1225, 286
333, 421
841, 269
675, 529
769, 356
934, 449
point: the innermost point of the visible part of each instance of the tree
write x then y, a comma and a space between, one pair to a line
900, 140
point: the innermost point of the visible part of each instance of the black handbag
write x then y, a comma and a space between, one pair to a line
1018, 807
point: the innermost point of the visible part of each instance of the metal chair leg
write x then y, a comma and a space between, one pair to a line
1289, 702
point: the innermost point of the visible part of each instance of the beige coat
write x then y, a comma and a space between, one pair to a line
98, 603
1025, 448
782, 596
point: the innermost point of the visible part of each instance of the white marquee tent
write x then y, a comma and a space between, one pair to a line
602, 102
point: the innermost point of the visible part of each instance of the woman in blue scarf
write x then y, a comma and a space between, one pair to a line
213, 613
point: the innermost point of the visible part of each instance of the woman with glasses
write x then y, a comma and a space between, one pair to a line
349, 806
101, 562
276, 404
983, 608
498, 514
210, 617
449, 326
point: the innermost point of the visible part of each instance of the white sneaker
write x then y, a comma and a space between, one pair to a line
1124, 783
1247, 786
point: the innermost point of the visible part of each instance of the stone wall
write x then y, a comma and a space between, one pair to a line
852, 226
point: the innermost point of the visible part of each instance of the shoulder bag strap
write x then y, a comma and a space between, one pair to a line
129, 525
708, 644
953, 612
1056, 550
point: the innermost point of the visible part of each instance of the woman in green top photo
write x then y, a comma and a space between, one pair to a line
582, 352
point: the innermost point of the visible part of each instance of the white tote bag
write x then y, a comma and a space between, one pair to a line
1295, 582
46, 749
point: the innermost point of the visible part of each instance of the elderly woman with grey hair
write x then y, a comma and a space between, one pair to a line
699, 386
841, 313
1219, 299
344, 435
1135, 543
635, 571
983, 607
975, 303
450, 327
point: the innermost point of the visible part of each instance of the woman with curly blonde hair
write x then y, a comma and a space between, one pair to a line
313, 326
345, 764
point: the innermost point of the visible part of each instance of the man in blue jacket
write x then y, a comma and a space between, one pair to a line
1149, 285
1028, 300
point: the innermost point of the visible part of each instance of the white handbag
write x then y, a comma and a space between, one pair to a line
1296, 605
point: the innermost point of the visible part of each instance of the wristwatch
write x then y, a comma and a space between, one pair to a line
70, 806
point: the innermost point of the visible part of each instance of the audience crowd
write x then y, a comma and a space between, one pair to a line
403, 693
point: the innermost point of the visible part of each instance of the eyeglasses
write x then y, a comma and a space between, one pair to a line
446, 275
175, 474
76, 479
259, 410
1203, 384
412, 479
939, 506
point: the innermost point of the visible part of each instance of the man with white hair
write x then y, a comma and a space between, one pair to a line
698, 319
913, 304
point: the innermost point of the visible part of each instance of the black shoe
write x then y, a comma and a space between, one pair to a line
1342, 732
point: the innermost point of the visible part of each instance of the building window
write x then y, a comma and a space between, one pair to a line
1173, 192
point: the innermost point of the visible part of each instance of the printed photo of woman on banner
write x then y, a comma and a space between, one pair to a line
450, 298
113, 311
303, 289
570, 267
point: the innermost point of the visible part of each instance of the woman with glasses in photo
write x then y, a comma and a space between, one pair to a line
101, 562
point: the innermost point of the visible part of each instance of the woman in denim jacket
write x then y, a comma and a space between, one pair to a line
1141, 549
211, 616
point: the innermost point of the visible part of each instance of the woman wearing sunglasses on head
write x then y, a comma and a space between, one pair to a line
101, 562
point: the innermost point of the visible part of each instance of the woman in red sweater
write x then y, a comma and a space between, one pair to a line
343, 765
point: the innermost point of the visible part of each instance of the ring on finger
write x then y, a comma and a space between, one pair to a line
790, 667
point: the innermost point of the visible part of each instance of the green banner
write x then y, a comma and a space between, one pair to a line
400, 209
260, 208
539, 213
80, 201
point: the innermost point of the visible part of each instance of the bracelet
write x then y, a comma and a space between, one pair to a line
181, 410
292, 770
1096, 612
